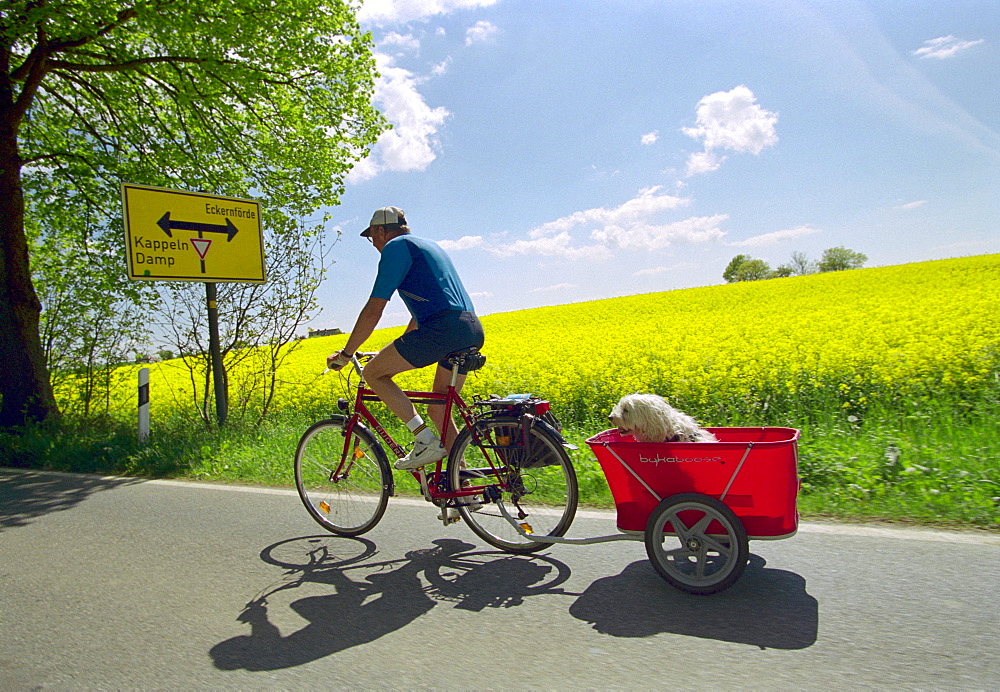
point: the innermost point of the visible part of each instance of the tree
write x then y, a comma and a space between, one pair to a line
733, 267
257, 322
753, 270
746, 268
801, 264
91, 318
269, 99
838, 259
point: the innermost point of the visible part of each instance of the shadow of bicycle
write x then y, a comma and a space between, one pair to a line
768, 608
370, 598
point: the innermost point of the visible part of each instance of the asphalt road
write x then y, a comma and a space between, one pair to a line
117, 583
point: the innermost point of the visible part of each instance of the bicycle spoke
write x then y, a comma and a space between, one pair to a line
540, 490
347, 497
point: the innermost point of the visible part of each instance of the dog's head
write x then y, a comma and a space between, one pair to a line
640, 415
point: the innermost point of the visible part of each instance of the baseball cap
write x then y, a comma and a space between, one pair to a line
384, 217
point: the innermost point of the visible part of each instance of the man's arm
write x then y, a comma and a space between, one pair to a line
367, 320
370, 315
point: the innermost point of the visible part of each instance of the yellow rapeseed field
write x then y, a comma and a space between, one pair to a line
856, 337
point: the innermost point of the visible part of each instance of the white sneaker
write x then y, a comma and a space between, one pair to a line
472, 505
421, 455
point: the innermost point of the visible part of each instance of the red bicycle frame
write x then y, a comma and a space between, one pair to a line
430, 483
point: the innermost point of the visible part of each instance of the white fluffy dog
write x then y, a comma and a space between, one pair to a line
649, 418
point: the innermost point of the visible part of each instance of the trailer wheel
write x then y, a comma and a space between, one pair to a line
696, 543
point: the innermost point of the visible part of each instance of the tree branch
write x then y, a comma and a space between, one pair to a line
59, 46
126, 66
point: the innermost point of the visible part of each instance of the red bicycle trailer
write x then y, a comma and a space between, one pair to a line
696, 505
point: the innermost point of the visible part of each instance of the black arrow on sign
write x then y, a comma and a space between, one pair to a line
167, 225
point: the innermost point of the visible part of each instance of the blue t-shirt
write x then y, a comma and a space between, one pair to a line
424, 276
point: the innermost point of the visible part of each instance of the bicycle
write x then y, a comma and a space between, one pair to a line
507, 449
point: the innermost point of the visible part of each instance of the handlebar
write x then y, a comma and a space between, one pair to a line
358, 358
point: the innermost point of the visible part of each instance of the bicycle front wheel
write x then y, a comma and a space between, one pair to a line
345, 493
534, 473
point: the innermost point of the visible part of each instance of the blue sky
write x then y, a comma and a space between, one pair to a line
570, 150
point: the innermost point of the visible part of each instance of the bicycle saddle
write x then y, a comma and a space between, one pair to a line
471, 357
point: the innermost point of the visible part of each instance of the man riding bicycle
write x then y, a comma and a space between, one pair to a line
443, 321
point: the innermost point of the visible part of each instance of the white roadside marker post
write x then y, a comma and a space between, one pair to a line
143, 405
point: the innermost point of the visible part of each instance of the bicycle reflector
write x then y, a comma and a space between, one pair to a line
542, 407
325, 507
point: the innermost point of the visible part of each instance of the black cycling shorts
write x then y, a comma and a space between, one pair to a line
441, 334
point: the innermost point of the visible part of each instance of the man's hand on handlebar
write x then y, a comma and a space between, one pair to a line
337, 360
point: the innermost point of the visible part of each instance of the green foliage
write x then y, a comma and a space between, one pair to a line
268, 99
934, 463
90, 321
838, 259
746, 268
753, 270
733, 267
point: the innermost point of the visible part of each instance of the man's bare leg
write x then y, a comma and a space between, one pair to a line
442, 378
378, 375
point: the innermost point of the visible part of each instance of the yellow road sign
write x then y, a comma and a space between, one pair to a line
191, 236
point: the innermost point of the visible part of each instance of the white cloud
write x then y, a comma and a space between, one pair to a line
650, 137
633, 225
481, 294
703, 162
382, 12
442, 66
944, 47
731, 121
651, 271
464, 243
411, 143
662, 270
911, 205
403, 41
481, 32
555, 287
647, 203
550, 246
776, 237
644, 236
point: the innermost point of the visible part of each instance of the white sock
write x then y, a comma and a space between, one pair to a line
421, 431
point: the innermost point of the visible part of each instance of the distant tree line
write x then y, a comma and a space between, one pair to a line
835, 259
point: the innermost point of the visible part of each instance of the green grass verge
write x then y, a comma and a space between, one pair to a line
939, 468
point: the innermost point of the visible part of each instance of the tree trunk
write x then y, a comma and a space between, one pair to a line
24, 379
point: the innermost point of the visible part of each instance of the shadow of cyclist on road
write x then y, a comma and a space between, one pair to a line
382, 598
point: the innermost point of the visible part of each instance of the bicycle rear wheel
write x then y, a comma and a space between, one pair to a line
346, 498
536, 473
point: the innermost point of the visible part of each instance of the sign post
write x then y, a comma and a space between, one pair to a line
218, 369
173, 235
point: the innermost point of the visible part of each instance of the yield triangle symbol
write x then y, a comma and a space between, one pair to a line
201, 246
